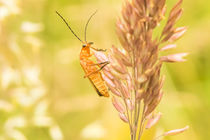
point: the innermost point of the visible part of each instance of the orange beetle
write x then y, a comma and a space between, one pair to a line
91, 69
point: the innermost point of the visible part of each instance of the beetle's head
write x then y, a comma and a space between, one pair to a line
87, 44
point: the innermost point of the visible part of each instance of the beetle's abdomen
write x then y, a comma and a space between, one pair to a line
95, 78
99, 84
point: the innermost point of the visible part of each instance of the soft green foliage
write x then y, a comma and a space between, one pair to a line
40, 75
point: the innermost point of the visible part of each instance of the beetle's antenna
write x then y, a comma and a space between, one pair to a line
68, 25
88, 23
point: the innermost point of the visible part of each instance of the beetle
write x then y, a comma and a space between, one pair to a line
92, 70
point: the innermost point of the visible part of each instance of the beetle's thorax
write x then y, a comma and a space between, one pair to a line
85, 51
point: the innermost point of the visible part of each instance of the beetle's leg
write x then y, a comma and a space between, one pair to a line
105, 63
96, 49
99, 64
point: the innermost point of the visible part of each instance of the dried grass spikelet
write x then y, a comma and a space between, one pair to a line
134, 71
173, 132
153, 120
176, 131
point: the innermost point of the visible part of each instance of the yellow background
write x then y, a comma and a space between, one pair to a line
69, 106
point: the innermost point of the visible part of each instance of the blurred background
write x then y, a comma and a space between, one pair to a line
42, 91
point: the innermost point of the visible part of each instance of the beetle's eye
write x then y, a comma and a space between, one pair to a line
90, 43
83, 45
